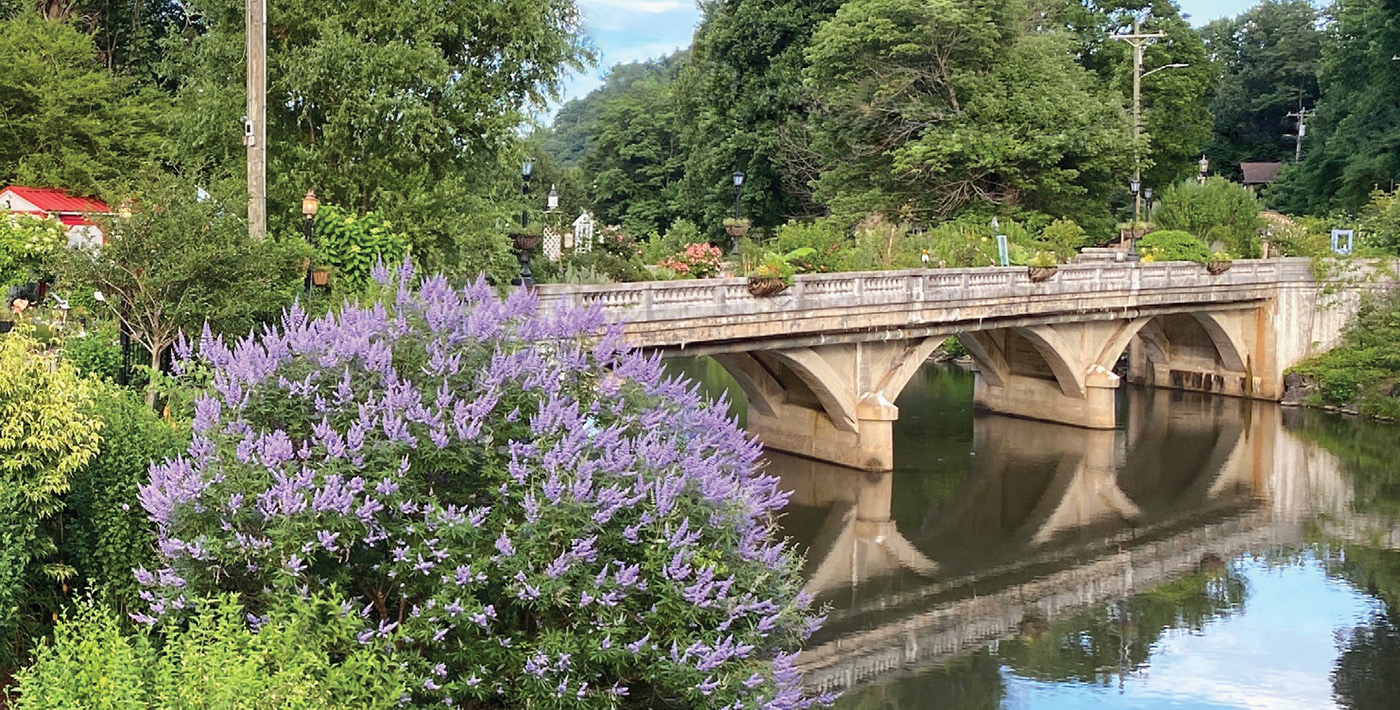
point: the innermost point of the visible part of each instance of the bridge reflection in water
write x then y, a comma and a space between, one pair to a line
984, 535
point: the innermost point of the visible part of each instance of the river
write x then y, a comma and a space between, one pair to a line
1209, 553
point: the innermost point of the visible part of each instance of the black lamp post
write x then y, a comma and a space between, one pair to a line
1147, 198
524, 241
738, 192
309, 206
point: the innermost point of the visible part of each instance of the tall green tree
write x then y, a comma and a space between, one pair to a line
932, 108
1269, 60
381, 105
1353, 145
635, 159
745, 108
68, 122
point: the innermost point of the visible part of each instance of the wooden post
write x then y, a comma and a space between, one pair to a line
255, 126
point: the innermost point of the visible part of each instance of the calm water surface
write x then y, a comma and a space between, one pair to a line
1210, 553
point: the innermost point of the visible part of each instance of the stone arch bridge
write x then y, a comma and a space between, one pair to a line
823, 362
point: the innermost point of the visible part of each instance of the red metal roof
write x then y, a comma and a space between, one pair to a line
53, 200
74, 220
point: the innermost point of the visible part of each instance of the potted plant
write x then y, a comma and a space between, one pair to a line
774, 272
321, 274
527, 238
1042, 266
736, 226
1219, 263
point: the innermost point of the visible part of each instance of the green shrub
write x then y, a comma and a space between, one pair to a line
1380, 222
831, 250
105, 535
1064, 237
48, 433
1363, 369
352, 244
658, 247
26, 245
303, 657
1217, 210
98, 353
1172, 245
612, 267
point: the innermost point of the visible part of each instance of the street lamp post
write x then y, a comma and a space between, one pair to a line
522, 242
1205, 167
1134, 187
738, 191
309, 206
1147, 197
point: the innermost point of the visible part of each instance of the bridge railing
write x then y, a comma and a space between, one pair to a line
663, 300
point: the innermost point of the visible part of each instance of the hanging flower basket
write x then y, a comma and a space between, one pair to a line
764, 287
1219, 267
525, 241
321, 276
1041, 273
737, 230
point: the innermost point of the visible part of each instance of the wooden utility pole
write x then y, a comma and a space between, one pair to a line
255, 124
1138, 40
1302, 116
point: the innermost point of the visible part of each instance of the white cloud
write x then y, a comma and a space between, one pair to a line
653, 7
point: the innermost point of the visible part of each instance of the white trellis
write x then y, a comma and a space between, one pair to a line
553, 244
583, 233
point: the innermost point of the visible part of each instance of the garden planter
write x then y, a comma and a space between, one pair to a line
525, 241
1219, 267
320, 277
737, 230
1041, 273
764, 287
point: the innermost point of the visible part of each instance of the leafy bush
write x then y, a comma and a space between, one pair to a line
611, 267
26, 245
98, 353
1064, 237
352, 244
696, 260
1217, 210
537, 515
831, 249
304, 657
1172, 245
1380, 222
47, 435
104, 536
681, 233
1364, 369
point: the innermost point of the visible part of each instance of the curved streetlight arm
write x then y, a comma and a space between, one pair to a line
1166, 66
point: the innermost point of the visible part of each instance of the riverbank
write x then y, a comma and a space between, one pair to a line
1361, 376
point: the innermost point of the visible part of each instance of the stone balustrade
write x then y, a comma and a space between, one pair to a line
861, 305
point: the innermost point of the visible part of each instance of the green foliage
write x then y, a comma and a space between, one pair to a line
47, 435
1364, 369
352, 244
388, 107
1216, 211
929, 109
1172, 245
180, 263
660, 246
1380, 222
304, 657
634, 151
27, 243
1349, 147
1043, 259
105, 534
1064, 237
1302, 236
781, 266
1269, 59
598, 263
97, 353
832, 250
68, 122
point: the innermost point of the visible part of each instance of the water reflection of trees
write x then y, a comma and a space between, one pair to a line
971, 682
1365, 675
1117, 639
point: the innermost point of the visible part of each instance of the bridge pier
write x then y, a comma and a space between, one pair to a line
834, 403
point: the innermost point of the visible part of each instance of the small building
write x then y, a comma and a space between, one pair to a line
52, 203
1257, 174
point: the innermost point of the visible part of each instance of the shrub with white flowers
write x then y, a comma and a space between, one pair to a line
531, 510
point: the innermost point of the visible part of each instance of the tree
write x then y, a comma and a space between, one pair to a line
68, 122
745, 108
1269, 58
178, 262
380, 105
1354, 138
635, 157
932, 108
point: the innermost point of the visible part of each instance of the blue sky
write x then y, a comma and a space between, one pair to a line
631, 30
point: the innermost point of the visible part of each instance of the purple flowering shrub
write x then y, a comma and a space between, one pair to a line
531, 510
